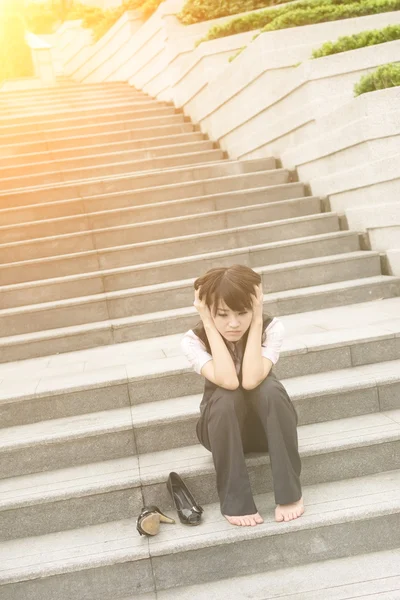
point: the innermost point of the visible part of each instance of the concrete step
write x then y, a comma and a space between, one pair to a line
115, 331
111, 559
168, 423
25, 154
70, 87
155, 212
71, 143
329, 295
220, 174
179, 294
67, 99
123, 106
93, 260
100, 117
227, 222
62, 495
105, 158
87, 102
114, 168
120, 374
111, 126
59, 288
148, 199
373, 576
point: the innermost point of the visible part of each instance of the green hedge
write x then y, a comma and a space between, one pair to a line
195, 11
110, 17
359, 40
383, 77
307, 12
325, 13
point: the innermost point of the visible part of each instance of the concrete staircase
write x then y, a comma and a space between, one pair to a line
111, 204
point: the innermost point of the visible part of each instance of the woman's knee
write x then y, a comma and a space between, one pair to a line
270, 390
227, 402
272, 394
271, 386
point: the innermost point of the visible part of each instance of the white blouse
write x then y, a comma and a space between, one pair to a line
197, 355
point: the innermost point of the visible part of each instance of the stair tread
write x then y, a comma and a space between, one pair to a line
169, 285
51, 160
374, 576
204, 196
132, 121
278, 222
137, 175
120, 419
108, 146
315, 438
110, 543
306, 332
83, 139
195, 156
154, 206
55, 114
101, 272
130, 109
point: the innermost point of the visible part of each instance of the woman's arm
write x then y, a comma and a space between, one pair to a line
221, 369
255, 367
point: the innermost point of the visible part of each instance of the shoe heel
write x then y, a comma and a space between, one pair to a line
150, 524
163, 518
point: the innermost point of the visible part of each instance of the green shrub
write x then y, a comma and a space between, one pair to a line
383, 77
325, 13
40, 18
44, 17
301, 13
149, 7
195, 11
359, 40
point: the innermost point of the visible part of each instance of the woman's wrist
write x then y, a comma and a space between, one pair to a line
257, 319
208, 323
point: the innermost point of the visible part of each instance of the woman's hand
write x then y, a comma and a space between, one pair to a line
201, 307
257, 302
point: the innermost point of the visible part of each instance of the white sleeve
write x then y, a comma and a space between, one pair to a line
274, 337
195, 351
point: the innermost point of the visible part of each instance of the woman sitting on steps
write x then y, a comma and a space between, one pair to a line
244, 408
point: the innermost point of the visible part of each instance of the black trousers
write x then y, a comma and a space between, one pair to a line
234, 422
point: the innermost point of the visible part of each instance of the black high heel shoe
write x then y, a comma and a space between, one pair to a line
188, 510
148, 522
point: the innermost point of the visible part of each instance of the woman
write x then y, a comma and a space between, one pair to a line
244, 407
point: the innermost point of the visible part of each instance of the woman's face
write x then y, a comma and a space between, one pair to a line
230, 324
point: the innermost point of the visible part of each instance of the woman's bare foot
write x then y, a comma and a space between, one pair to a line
287, 512
245, 520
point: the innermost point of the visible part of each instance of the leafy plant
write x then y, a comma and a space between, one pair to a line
359, 40
195, 11
306, 12
383, 77
44, 17
325, 13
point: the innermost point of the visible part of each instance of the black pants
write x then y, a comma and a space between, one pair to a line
233, 422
